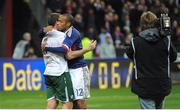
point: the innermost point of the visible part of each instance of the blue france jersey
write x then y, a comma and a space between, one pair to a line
73, 41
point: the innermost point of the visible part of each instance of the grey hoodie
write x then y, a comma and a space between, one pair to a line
150, 35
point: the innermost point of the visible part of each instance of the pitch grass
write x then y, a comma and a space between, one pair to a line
100, 99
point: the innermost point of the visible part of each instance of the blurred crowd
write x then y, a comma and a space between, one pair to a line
114, 22
24, 48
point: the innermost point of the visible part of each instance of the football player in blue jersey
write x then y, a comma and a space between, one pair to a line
77, 65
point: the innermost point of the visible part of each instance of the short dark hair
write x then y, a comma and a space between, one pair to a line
70, 18
53, 17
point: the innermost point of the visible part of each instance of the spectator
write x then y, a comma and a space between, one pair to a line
176, 17
78, 22
176, 38
155, 8
109, 9
124, 13
97, 50
91, 33
109, 22
22, 46
85, 42
55, 5
30, 53
119, 37
91, 18
103, 34
125, 10
126, 24
99, 9
134, 16
107, 49
116, 20
128, 38
70, 6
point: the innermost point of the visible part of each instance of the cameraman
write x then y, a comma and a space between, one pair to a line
152, 54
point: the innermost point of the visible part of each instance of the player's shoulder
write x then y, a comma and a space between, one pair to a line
55, 33
59, 33
73, 31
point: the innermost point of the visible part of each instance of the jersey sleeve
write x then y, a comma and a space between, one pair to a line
70, 40
42, 33
56, 49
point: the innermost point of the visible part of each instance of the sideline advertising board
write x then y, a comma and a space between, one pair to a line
26, 74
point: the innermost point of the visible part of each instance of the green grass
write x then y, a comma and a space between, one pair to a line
110, 98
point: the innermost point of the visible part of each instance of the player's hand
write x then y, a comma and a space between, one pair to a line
92, 45
43, 45
68, 54
48, 28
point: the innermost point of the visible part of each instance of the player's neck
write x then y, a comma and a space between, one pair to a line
55, 28
68, 28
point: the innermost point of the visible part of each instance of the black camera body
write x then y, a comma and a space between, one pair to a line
164, 25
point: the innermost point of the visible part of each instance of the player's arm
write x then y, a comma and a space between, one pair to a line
44, 30
67, 44
74, 54
60, 49
56, 49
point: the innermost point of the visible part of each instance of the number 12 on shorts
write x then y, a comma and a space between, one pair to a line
79, 92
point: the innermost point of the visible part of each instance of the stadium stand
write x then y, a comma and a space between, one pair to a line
91, 16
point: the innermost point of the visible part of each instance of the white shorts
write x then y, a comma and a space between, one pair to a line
81, 82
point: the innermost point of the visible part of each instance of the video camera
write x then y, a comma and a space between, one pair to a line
164, 24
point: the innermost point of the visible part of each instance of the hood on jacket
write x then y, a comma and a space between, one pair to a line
150, 35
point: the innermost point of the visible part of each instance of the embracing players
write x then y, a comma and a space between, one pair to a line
78, 69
